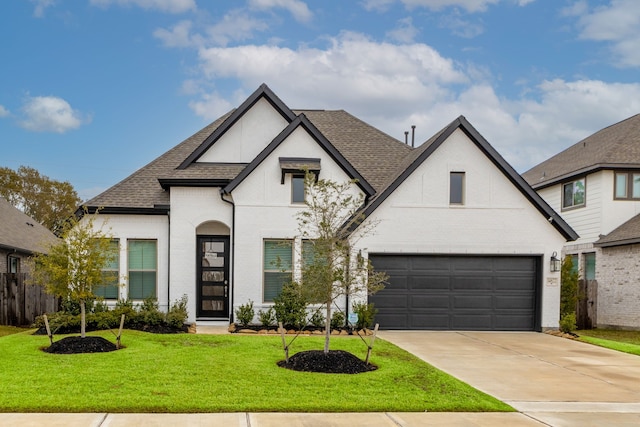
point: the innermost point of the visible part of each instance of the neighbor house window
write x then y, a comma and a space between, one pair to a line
278, 267
627, 185
143, 270
573, 194
110, 274
297, 189
14, 265
456, 188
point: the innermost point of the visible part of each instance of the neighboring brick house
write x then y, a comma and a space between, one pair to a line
466, 241
595, 185
20, 237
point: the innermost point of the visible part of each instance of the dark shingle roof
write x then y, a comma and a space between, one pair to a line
21, 232
626, 234
616, 146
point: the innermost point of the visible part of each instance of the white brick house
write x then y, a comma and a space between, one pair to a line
465, 240
595, 185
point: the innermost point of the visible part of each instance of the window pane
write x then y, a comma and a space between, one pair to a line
574, 264
635, 191
142, 284
142, 255
567, 196
273, 283
590, 266
621, 185
278, 255
578, 192
297, 189
456, 185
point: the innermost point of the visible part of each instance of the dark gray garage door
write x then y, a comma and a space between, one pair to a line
458, 292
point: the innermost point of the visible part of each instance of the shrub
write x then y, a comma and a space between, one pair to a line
291, 306
245, 313
177, 314
149, 312
317, 319
568, 323
267, 318
366, 313
337, 320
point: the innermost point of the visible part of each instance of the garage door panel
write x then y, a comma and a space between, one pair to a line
472, 283
458, 292
476, 302
430, 282
429, 302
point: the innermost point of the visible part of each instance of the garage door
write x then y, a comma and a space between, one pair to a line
458, 292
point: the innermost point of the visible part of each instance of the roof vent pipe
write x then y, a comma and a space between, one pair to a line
413, 135
406, 137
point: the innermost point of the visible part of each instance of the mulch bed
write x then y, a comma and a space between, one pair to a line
335, 362
75, 345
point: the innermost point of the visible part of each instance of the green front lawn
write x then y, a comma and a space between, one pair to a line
220, 373
625, 341
8, 330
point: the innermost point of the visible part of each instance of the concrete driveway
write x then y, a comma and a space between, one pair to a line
553, 380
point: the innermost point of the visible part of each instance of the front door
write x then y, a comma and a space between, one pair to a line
213, 277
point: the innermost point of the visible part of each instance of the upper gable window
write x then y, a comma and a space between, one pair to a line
627, 186
456, 188
574, 194
297, 189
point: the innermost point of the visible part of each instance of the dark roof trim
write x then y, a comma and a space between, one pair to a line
13, 249
302, 121
167, 183
583, 172
295, 165
156, 210
262, 92
515, 178
621, 242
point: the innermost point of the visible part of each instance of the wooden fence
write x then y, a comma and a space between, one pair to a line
20, 303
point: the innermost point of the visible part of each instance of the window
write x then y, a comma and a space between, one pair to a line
110, 274
573, 194
627, 186
143, 261
278, 267
14, 265
297, 189
456, 188
590, 266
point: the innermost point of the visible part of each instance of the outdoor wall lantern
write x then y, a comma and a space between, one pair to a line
556, 264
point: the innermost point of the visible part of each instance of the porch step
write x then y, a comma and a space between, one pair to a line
212, 327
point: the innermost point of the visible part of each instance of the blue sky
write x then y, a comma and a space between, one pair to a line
92, 90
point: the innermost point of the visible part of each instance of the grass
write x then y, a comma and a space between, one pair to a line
8, 330
625, 341
221, 373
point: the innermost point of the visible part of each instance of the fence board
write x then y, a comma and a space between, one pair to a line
21, 303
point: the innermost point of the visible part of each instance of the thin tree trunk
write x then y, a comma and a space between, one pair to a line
83, 328
327, 329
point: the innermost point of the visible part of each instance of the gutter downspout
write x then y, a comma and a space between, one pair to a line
169, 260
233, 252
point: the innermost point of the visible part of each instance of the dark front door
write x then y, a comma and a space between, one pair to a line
213, 277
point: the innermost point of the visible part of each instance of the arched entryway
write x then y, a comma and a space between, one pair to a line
213, 266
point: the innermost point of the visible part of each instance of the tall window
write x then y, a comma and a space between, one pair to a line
456, 188
573, 194
143, 261
110, 274
627, 185
278, 267
297, 189
14, 265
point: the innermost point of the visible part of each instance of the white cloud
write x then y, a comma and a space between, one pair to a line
178, 36
168, 6
461, 27
618, 24
297, 8
50, 114
471, 6
3, 111
234, 26
211, 106
41, 5
405, 32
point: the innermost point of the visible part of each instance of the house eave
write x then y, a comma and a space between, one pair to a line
124, 210
167, 183
583, 172
623, 242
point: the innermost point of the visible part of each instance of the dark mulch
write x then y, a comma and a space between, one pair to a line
74, 345
154, 329
335, 362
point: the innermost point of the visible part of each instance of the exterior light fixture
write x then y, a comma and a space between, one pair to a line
556, 264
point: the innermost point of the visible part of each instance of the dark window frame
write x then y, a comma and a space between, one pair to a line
457, 188
297, 180
628, 185
573, 204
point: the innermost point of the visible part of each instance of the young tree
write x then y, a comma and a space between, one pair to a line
330, 226
73, 267
46, 200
